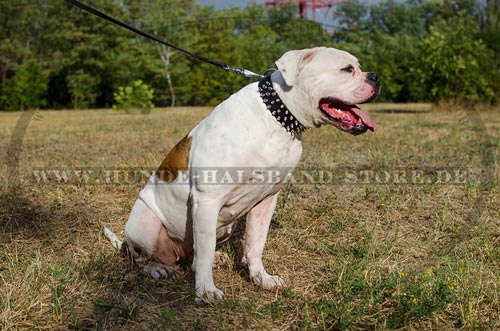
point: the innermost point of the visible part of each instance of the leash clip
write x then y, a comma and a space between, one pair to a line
247, 73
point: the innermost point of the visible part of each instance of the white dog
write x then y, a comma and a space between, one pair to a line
221, 170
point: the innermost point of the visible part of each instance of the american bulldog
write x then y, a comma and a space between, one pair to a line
217, 172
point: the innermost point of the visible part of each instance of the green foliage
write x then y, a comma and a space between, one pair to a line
82, 87
449, 62
26, 89
138, 95
423, 50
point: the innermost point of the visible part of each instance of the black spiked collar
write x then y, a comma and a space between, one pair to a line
278, 109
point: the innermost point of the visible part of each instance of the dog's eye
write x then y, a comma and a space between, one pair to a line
349, 69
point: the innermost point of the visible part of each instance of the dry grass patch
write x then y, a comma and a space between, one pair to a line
366, 252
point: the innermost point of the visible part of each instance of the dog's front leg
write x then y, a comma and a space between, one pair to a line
204, 214
257, 227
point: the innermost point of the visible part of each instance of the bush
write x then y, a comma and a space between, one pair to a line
450, 67
133, 97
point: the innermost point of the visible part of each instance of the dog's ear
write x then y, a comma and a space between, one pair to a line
290, 63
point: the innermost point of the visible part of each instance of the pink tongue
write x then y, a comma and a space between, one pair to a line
364, 117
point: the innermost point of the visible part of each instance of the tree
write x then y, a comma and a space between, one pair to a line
164, 18
83, 88
27, 88
30, 85
20, 30
449, 66
424, 50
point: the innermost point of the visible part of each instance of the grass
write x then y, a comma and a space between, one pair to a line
376, 254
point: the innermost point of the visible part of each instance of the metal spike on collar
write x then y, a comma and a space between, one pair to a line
277, 107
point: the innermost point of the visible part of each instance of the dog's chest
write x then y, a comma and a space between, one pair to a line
244, 151
245, 196
253, 184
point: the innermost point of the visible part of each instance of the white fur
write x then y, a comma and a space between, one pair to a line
117, 243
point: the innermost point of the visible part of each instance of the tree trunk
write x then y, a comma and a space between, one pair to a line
492, 13
165, 53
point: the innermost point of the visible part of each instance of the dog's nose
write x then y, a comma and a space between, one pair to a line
358, 129
373, 76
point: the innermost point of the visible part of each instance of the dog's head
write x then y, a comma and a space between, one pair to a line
328, 84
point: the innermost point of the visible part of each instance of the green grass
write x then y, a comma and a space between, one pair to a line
355, 256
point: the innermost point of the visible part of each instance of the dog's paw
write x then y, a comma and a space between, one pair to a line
267, 281
158, 270
221, 259
208, 295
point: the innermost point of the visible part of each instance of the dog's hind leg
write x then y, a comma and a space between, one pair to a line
148, 243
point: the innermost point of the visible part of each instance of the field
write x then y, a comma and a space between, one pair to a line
405, 236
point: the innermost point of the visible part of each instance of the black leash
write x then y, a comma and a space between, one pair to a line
239, 71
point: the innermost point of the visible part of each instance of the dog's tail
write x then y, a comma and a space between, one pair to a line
117, 243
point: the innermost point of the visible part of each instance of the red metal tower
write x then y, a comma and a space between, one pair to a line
304, 5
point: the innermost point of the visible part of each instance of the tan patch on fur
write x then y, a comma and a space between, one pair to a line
176, 160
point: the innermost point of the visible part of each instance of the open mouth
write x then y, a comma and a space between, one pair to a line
346, 117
